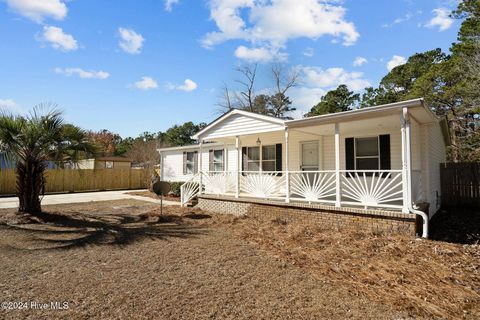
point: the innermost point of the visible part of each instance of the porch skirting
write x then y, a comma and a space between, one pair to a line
344, 218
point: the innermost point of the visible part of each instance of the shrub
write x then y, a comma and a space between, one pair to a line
175, 191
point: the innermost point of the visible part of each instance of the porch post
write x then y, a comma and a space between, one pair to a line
225, 158
408, 138
200, 155
161, 167
337, 166
405, 185
287, 174
239, 157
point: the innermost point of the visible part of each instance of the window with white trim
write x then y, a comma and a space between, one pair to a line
264, 158
367, 153
269, 158
253, 158
190, 163
218, 160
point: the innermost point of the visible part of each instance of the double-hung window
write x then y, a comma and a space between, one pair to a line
253, 159
367, 154
269, 158
190, 163
263, 158
216, 160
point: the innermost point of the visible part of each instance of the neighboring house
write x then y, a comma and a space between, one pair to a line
6, 163
103, 163
385, 157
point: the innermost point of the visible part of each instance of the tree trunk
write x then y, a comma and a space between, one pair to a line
30, 184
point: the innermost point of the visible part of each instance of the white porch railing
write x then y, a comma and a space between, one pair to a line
312, 186
372, 188
189, 189
366, 188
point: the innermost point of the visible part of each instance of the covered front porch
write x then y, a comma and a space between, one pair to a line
354, 161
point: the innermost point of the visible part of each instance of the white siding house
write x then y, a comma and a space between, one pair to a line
378, 157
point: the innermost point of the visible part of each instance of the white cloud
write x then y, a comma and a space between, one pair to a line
304, 98
147, 83
7, 103
441, 19
170, 3
58, 39
399, 20
130, 41
316, 82
261, 54
188, 85
84, 74
395, 61
332, 77
272, 23
38, 10
308, 52
359, 61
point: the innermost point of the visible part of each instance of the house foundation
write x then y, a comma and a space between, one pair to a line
343, 218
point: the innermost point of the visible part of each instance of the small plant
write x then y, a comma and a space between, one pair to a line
175, 191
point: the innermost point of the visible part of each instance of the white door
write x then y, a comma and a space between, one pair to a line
309, 156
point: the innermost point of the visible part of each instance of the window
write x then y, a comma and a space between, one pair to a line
109, 164
190, 163
253, 158
266, 159
216, 160
367, 155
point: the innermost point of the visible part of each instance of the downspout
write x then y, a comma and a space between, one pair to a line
408, 152
424, 217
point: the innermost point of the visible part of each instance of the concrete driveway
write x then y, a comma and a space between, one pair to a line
12, 202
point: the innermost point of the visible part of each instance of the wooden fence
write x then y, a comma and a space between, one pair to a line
460, 184
67, 180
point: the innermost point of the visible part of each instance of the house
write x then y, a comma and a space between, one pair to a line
7, 163
102, 163
383, 158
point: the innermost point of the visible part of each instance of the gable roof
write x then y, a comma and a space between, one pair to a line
271, 123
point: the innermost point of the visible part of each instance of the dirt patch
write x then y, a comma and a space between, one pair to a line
121, 259
152, 195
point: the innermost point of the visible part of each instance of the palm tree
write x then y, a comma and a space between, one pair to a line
33, 140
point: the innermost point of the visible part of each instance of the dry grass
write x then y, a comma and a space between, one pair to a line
426, 278
122, 260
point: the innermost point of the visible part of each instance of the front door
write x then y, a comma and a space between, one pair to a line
310, 156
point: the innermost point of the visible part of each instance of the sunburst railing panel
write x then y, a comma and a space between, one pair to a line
372, 188
263, 184
312, 186
189, 189
219, 182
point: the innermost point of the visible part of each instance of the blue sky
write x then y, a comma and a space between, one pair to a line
132, 66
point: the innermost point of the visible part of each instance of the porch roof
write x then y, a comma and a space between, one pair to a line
417, 107
241, 123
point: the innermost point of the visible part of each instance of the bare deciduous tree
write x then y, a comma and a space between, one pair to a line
246, 96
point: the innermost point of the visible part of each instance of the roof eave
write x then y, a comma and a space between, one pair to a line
332, 117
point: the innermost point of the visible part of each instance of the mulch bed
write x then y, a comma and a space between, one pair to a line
121, 259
